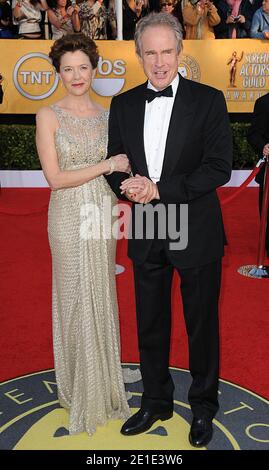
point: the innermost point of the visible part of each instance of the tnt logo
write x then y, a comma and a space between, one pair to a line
34, 78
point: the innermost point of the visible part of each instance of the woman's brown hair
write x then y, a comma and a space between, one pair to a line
71, 43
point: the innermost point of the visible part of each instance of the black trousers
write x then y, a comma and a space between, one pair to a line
267, 228
200, 289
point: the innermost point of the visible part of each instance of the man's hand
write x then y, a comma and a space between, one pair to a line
140, 189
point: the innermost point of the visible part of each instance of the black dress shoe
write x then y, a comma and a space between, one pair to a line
201, 432
142, 421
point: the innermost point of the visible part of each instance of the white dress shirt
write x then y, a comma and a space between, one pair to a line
157, 119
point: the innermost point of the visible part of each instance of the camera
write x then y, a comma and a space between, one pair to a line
236, 18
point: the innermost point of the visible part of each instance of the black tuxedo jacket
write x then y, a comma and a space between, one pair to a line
258, 134
198, 159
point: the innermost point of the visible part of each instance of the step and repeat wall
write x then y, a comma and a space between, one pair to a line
240, 68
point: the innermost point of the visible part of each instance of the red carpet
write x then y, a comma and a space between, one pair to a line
25, 267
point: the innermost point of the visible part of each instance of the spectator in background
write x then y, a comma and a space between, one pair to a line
93, 17
236, 17
133, 11
260, 22
175, 8
6, 25
199, 19
63, 20
167, 6
112, 19
27, 15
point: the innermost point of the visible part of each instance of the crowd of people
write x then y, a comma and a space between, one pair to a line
202, 19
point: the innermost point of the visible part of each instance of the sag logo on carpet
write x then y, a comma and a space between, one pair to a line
31, 418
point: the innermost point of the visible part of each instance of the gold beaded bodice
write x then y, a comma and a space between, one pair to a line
80, 141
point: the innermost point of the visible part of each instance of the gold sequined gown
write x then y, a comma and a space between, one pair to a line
85, 313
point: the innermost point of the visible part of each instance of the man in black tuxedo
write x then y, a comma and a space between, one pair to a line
258, 137
177, 137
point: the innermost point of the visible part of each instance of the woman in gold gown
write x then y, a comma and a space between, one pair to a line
71, 141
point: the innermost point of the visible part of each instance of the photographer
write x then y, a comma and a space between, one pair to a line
199, 19
94, 18
236, 17
27, 15
63, 18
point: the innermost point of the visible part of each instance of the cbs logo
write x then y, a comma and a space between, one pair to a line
34, 76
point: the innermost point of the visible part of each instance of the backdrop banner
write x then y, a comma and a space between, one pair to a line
240, 68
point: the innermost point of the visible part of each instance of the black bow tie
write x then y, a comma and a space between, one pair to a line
151, 94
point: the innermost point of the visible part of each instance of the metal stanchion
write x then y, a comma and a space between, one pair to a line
46, 26
260, 271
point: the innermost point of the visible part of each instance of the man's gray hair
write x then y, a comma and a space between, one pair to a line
158, 19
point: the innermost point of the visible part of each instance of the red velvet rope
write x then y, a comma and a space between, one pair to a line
242, 186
